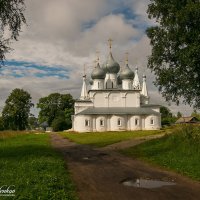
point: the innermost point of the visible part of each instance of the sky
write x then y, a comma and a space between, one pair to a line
64, 35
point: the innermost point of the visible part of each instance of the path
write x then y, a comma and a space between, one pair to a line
131, 142
98, 175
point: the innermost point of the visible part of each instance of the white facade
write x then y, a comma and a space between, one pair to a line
111, 105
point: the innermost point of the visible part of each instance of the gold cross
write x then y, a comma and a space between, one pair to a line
110, 43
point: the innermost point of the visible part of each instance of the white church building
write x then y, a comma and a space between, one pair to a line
116, 101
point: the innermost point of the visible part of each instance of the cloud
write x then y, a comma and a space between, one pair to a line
20, 69
63, 35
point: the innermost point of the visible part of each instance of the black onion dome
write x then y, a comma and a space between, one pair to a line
126, 73
98, 73
111, 66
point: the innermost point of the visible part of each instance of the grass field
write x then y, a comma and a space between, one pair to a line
28, 162
105, 138
179, 152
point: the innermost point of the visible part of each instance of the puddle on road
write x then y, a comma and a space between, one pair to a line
146, 183
85, 158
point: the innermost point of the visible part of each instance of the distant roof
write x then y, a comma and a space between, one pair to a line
44, 124
118, 111
186, 120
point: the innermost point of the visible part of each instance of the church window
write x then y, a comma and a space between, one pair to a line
87, 122
101, 122
119, 122
136, 122
151, 121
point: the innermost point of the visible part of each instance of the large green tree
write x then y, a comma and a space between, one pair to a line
17, 110
11, 20
175, 41
56, 106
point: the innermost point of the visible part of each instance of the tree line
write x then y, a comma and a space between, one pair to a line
55, 111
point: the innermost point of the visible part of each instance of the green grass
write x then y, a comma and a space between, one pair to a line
28, 162
106, 138
179, 151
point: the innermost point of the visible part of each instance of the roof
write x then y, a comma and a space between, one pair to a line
150, 105
115, 90
98, 73
118, 111
186, 120
85, 100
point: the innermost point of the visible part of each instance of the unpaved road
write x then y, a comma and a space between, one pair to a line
98, 174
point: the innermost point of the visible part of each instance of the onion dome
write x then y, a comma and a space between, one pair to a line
98, 73
91, 82
126, 73
111, 66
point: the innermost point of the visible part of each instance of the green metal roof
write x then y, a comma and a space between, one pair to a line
118, 111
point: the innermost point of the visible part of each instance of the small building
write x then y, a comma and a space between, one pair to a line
187, 120
116, 101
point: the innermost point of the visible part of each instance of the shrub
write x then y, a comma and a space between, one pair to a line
59, 124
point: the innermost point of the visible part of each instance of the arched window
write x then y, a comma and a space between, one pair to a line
136, 122
119, 122
106, 85
152, 121
98, 85
101, 122
112, 84
87, 122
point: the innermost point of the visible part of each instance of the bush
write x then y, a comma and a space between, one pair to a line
59, 124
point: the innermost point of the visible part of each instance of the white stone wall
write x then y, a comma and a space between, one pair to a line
132, 99
98, 84
80, 106
127, 84
79, 123
152, 122
114, 126
116, 99
110, 123
99, 125
110, 81
136, 122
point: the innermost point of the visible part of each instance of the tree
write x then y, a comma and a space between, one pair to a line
1, 124
179, 114
32, 122
167, 117
175, 57
11, 20
59, 124
165, 112
16, 110
55, 106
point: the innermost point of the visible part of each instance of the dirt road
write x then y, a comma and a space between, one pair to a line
99, 174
